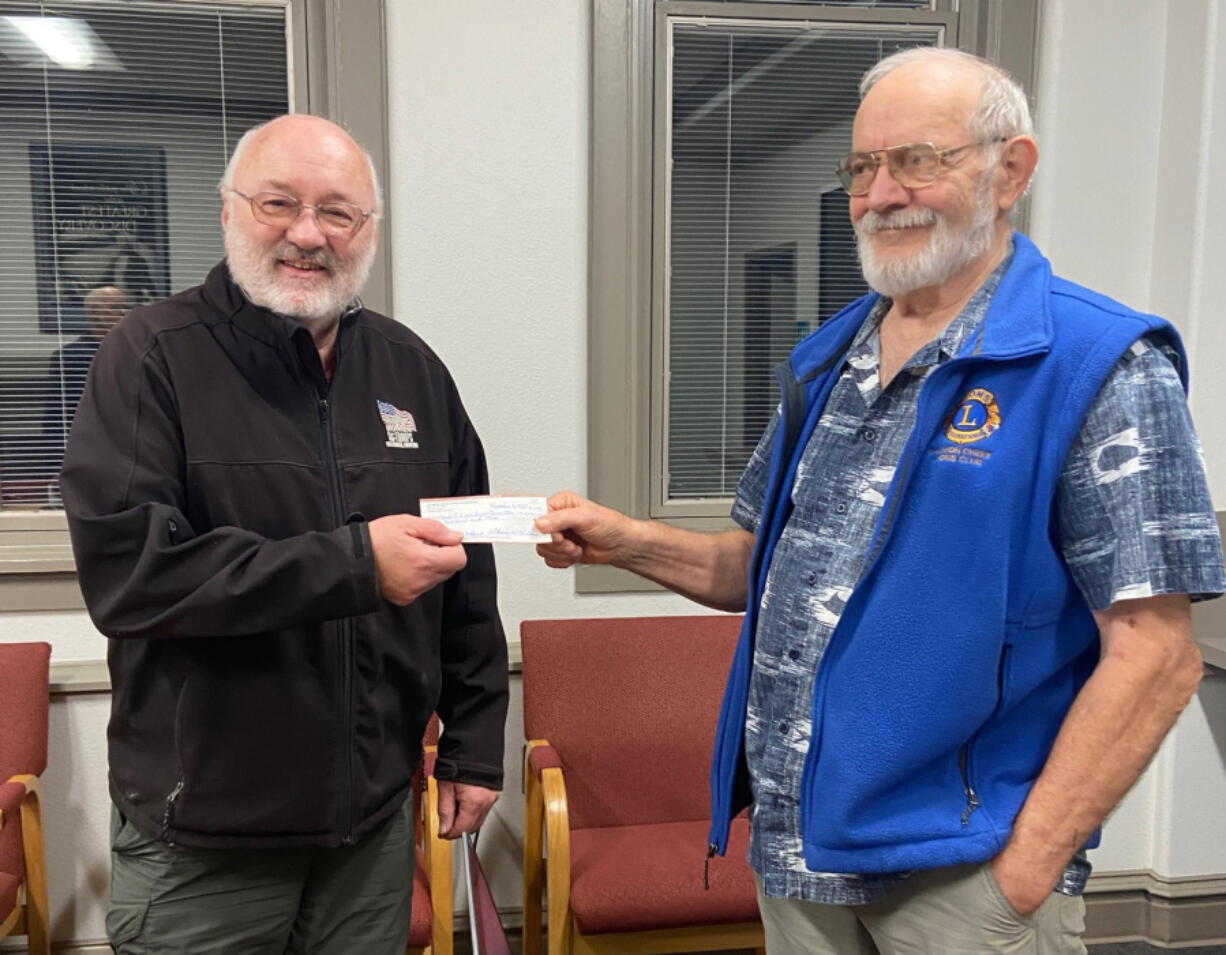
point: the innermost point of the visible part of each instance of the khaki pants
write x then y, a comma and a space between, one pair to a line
167, 900
953, 911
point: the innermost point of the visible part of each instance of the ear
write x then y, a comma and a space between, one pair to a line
1017, 162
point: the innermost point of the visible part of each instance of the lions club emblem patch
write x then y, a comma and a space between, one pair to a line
976, 417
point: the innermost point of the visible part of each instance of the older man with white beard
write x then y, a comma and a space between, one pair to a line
967, 546
241, 485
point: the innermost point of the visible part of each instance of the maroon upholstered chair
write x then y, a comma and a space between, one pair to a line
24, 699
431, 930
620, 716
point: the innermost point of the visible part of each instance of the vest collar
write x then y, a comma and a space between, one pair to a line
1018, 320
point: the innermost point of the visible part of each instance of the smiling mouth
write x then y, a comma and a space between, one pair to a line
302, 267
896, 231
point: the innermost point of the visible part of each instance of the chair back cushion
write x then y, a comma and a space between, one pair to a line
24, 672
630, 705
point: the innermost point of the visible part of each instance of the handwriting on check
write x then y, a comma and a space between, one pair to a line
489, 519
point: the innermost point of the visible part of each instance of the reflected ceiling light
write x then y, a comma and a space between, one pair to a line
69, 42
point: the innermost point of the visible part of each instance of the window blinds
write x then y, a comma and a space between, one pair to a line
759, 247
119, 117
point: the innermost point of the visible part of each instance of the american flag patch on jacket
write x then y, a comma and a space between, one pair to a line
400, 426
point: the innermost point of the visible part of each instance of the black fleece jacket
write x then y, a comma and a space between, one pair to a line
218, 489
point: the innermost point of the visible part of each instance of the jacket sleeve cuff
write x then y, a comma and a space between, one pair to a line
365, 577
469, 773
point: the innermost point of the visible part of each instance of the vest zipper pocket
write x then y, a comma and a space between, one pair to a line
972, 798
964, 754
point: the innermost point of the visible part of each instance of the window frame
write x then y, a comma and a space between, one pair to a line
336, 53
628, 204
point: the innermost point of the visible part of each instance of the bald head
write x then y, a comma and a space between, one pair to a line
104, 307
999, 109
322, 138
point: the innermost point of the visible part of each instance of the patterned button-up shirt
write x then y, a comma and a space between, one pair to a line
1123, 532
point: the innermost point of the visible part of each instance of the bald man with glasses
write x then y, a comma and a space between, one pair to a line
242, 487
967, 546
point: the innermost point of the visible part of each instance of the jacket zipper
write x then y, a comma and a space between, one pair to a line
345, 643
791, 425
168, 811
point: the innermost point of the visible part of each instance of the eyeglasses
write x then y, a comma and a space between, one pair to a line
342, 219
913, 165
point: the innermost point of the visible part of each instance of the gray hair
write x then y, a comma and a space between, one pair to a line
1003, 110
227, 177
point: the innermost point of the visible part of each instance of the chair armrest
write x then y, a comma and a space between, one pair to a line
557, 859
37, 918
539, 755
542, 759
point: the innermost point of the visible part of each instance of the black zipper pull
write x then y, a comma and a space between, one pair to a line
712, 848
972, 798
972, 803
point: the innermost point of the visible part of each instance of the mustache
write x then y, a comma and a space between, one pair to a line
873, 222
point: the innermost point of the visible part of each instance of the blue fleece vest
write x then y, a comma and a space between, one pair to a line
965, 641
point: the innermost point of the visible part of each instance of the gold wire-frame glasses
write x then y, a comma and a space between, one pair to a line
913, 165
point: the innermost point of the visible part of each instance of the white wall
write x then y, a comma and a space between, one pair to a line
489, 112
1131, 108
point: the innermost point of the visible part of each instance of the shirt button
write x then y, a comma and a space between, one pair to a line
840, 508
811, 579
783, 727
869, 434
793, 654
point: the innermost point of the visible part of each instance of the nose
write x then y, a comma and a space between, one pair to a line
885, 192
304, 231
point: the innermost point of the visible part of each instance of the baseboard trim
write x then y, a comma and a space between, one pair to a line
1132, 906
1142, 906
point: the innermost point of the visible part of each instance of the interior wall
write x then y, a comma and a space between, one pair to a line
1131, 105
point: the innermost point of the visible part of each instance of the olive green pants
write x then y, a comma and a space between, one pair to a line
953, 911
172, 899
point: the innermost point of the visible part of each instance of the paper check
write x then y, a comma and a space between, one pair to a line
489, 519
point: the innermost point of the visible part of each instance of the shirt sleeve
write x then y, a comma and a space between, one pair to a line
1133, 507
747, 508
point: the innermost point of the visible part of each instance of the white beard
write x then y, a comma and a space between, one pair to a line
254, 268
947, 253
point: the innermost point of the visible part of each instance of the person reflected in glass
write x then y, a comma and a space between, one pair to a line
69, 366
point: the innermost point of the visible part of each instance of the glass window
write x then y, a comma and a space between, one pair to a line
759, 246
119, 118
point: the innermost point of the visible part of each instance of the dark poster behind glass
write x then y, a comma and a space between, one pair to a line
99, 219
